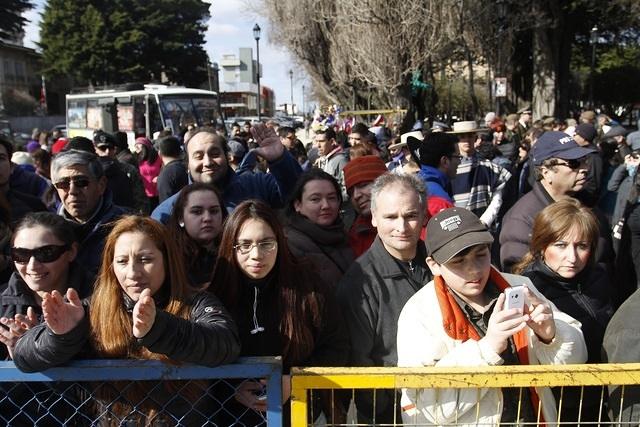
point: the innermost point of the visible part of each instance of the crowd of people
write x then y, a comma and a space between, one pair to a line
361, 248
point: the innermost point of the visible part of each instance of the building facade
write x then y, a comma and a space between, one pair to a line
239, 86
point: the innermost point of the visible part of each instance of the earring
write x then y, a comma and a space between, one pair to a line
181, 224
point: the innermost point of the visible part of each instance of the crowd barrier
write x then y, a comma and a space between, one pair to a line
135, 393
346, 384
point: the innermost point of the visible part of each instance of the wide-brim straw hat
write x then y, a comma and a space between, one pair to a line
403, 138
469, 126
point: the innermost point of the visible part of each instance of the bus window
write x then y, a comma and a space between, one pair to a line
206, 110
155, 122
77, 114
138, 116
94, 115
178, 112
125, 117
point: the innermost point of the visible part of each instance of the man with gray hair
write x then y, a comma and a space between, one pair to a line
82, 187
378, 284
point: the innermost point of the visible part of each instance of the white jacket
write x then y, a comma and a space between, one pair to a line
422, 341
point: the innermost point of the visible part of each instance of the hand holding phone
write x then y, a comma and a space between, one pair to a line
514, 298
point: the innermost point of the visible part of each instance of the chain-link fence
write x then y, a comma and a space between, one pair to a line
583, 395
138, 393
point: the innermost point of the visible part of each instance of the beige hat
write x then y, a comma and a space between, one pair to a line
467, 127
21, 158
403, 139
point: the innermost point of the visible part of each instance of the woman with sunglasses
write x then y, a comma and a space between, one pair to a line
281, 306
43, 252
142, 308
195, 225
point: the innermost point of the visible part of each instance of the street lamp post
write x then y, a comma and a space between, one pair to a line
216, 87
256, 35
593, 39
303, 106
291, 78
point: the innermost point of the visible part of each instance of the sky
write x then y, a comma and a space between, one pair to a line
229, 28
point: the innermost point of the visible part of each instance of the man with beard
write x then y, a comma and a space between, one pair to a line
208, 162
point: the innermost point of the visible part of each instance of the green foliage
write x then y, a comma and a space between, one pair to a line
105, 42
11, 20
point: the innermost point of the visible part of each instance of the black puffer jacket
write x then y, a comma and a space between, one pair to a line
586, 298
209, 338
16, 297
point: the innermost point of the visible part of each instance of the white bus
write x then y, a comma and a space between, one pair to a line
142, 111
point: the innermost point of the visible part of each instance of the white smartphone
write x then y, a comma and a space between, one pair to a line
514, 298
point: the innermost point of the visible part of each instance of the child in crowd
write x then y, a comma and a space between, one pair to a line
461, 319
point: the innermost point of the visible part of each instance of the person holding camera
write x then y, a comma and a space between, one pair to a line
468, 316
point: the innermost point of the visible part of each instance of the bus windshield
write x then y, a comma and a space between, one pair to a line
181, 111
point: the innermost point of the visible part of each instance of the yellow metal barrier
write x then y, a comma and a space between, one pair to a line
304, 380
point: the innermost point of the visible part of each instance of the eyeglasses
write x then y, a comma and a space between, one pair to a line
573, 164
78, 181
264, 246
48, 253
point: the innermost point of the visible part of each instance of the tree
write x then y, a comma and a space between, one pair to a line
11, 19
104, 42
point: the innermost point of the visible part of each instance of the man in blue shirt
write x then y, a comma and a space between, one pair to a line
207, 156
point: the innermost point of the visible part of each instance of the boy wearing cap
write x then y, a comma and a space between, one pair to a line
460, 319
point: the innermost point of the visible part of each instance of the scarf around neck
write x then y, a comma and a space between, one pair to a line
325, 235
458, 326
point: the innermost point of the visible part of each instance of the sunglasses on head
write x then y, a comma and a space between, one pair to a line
48, 253
78, 181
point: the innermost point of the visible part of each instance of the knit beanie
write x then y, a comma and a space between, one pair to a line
363, 169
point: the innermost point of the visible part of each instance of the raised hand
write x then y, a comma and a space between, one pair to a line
62, 316
144, 314
540, 317
503, 324
271, 148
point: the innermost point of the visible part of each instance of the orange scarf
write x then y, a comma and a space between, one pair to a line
458, 326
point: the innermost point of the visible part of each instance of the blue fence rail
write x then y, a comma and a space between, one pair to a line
88, 376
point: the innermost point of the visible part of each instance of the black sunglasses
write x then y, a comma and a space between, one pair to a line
48, 253
78, 181
573, 163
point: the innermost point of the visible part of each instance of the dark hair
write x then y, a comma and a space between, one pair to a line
360, 128
310, 175
80, 143
121, 140
7, 145
328, 132
41, 156
57, 225
283, 131
435, 146
211, 131
189, 247
169, 146
299, 297
147, 154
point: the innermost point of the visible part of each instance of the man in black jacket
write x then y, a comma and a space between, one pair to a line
173, 175
378, 284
